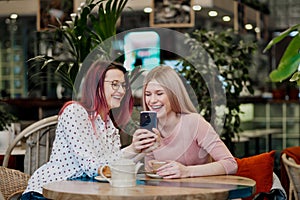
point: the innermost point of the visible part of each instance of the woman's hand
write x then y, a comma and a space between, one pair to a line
143, 139
156, 143
173, 170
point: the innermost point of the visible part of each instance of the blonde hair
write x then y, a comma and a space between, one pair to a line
171, 82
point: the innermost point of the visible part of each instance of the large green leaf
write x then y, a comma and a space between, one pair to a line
282, 36
289, 62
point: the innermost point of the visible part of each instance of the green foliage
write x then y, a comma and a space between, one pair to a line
6, 118
232, 56
289, 62
86, 32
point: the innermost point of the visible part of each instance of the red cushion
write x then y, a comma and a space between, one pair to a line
259, 168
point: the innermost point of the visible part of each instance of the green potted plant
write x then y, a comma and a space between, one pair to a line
6, 118
95, 23
290, 60
232, 56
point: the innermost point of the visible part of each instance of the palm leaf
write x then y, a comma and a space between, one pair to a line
87, 32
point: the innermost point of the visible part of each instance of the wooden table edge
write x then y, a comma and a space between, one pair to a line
168, 192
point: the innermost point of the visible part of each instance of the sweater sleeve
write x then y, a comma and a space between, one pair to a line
210, 141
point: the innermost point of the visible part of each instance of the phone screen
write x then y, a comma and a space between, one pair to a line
148, 120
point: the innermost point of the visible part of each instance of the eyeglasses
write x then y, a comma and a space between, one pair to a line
115, 85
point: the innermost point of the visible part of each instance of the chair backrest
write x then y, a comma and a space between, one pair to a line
12, 183
293, 172
39, 137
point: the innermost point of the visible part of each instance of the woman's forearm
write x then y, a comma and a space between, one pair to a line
213, 168
130, 153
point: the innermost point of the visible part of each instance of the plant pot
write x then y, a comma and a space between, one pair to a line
278, 94
294, 94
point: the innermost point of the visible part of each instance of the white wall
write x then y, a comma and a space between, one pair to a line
24, 7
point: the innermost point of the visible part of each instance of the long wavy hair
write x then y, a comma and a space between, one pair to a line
171, 82
93, 97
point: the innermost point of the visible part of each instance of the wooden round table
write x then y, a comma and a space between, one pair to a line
212, 187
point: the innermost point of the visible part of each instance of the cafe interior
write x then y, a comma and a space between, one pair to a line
249, 42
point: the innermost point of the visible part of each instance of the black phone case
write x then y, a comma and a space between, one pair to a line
148, 120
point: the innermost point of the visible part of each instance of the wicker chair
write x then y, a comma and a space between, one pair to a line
39, 137
293, 172
12, 183
1, 196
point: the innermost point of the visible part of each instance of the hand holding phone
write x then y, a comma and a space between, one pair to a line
148, 120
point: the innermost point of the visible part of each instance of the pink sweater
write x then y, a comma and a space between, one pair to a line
192, 142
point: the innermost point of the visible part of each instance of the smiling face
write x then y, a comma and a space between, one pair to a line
113, 90
157, 99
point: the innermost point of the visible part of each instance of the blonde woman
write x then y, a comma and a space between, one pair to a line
188, 141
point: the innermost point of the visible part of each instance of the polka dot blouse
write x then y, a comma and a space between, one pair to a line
78, 148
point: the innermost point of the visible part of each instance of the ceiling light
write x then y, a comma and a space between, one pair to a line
226, 18
257, 30
147, 10
248, 26
14, 16
212, 13
197, 7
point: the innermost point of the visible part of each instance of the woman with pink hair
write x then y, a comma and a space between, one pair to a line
87, 134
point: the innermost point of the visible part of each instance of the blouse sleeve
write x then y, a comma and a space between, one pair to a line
210, 141
78, 131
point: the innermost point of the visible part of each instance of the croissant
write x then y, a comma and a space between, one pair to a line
106, 171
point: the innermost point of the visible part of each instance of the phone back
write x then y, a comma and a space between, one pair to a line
148, 120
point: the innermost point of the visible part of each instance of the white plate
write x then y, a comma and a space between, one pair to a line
153, 175
101, 179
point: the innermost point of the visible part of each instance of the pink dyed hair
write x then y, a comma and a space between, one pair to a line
93, 97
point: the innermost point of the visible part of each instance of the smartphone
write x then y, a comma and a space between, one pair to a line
148, 120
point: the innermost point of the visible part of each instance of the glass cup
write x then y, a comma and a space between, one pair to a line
157, 164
